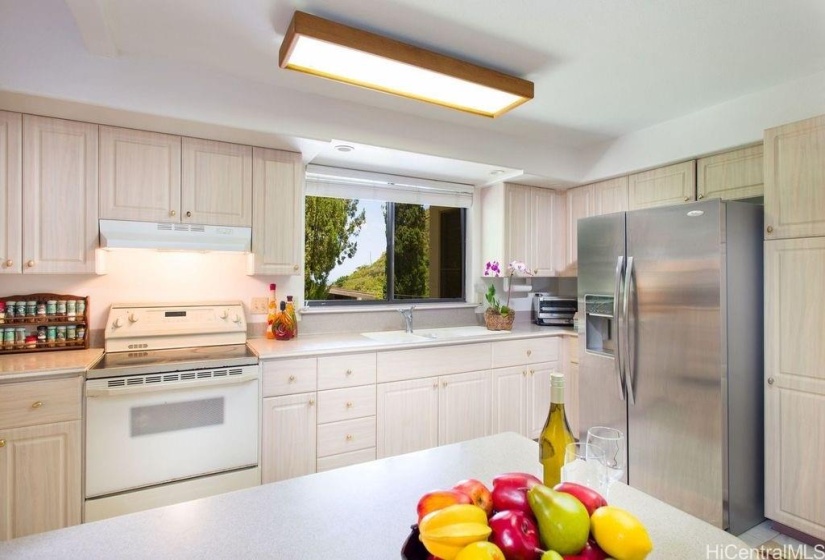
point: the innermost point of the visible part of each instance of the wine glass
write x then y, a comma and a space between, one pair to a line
613, 444
584, 464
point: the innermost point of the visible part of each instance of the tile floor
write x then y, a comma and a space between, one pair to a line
772, 543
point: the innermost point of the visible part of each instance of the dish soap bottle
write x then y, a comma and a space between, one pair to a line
290, 309
271, 313
556, 433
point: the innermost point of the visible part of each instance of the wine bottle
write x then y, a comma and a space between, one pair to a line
556, 433
271, 312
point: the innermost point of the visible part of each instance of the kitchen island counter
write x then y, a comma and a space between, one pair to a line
363, 511
337, 343
41, 365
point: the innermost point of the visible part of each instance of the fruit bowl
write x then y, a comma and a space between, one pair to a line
413, 548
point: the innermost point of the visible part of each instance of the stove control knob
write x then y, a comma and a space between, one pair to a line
117, 323
224, 314
236, 319
133, 318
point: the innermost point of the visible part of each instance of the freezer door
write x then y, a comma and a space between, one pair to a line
601, 243
674, 360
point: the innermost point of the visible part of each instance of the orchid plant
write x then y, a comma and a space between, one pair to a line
493, 268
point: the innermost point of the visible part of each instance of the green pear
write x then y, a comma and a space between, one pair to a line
564, 524
551, 555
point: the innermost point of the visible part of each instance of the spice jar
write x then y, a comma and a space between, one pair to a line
61, 307
51, 307
31, 341
41, 310
71, 333
10, 304
71, 309
61, 335
31, 308
81, 332
20, 309
41, 336
2, 311
51, 336
8, 338
81, 308
20, 337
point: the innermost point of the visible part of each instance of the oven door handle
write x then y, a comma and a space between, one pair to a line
95, 392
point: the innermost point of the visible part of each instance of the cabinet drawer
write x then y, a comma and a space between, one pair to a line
399, 365
346, 459
347, 370
349, 435
346, 404
525, 351
288, 377
40, 402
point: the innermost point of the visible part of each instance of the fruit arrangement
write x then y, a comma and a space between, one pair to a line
521, 519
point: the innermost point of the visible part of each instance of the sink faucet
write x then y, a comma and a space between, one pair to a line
408, 318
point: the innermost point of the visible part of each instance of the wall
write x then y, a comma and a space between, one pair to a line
154, 276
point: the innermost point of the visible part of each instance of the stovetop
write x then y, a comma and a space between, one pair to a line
141, 362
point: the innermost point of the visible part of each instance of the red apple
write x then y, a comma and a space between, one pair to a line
439, 499
478, 493
591, 499
517, 479
591, 551
511, 498
516, 535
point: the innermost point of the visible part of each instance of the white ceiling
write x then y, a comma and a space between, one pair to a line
603, 70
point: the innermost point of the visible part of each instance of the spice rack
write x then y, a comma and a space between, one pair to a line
45, 328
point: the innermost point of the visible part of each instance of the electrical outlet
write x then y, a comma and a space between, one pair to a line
258, 305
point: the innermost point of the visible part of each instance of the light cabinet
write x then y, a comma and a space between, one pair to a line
277, 212
731, 175
11, 191
521, 398
673, 184
140, 175
795, 179
60, 194
579, 205
795, 383
40, 464
289, 436
423, 413
610, 196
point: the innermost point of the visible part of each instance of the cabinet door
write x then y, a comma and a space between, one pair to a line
544, 235
732, 175
407, 416
139, 175
288, 447
795, 179
538, 396
610, 196
518, 232
39, 478
673, 184
509, 400
11, 192
579, 205
464, 403
795, 384
59, 196
277, 212
216, 183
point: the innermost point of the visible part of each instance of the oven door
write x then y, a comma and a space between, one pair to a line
150, 429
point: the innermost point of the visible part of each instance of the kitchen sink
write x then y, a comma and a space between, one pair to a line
423, 335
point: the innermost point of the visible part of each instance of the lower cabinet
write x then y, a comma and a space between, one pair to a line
521, 398
422, 413
288, 448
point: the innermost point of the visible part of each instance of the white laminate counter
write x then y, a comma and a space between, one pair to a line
363, 511
39, 365
338, 343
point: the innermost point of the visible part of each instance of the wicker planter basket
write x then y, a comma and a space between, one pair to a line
497, 322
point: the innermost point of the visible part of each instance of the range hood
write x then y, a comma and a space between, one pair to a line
122, 234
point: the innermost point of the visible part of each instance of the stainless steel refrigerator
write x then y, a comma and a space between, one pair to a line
670, 351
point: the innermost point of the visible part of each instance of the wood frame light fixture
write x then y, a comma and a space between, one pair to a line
332, 50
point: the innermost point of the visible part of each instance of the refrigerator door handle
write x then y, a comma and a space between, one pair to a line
629, 289
617, 290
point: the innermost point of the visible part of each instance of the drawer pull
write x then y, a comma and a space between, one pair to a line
311, 402
349, 404
37, 404
435, 385
30, 264
292, 379
349, 437
189, 214
532, 372
172, 213
2, 443
295, 267
9, 263
769, 229
349, 372
770, 381
524, 373
444, 384
529, 352
687, 199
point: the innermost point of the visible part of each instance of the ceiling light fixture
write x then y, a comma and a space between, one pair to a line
344, 148
332, 50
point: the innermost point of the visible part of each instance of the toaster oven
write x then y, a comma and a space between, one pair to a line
552, 310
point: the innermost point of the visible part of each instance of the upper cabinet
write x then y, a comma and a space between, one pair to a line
11, 191
663, 186
59, 220
795, 179
139, 175
731, 175
152, 177
277, 212
610, 196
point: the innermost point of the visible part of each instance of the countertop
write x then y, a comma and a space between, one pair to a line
36, 365
363, 511
338, 343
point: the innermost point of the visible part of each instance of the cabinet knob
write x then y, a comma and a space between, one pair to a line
311, 402
37, 404
444, 384
189, 214
435, 385
30, 264
9, 263
295, 267
173, 212
524, 373
769, 229
529, 352
2, 443
349, 372
700, 197
349, 437
292, 379
532, 372
535, 271
687, 199
770, 381
349, 404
